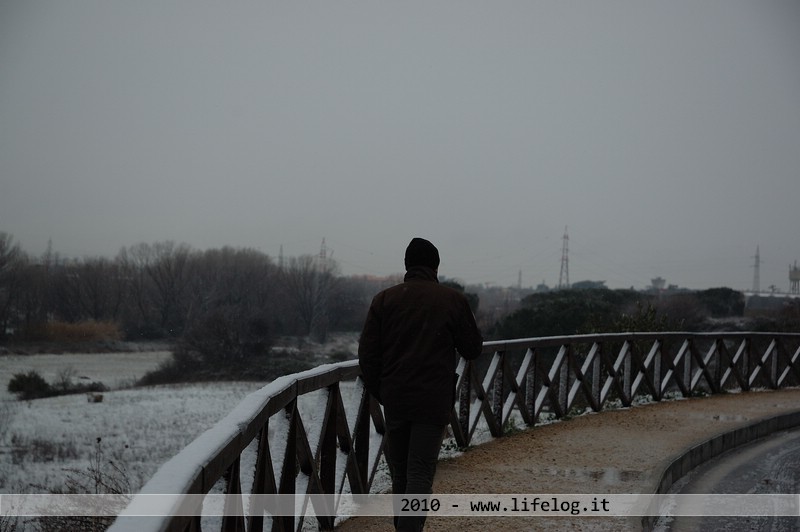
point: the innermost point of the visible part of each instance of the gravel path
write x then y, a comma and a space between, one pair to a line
615, 451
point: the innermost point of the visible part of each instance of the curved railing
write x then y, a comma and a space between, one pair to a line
319, 432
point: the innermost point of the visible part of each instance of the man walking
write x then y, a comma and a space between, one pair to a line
407, 353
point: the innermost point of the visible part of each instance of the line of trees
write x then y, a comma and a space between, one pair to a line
230, 304
601, 310
165, 290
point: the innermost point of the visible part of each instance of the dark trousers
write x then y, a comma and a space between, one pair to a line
412, 450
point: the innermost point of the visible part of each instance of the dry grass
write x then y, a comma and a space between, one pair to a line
83, 331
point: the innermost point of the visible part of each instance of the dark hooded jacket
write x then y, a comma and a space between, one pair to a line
408, 346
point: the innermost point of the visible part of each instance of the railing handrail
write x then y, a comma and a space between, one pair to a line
542, 341
586, 371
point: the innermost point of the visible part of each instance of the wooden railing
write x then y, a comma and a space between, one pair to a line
319, 432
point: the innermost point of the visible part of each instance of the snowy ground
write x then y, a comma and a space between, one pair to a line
140, 428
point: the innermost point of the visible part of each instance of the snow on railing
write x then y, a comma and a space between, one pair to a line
320, 432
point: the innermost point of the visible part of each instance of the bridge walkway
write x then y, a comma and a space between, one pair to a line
614, 451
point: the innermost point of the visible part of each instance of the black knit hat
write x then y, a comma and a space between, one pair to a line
421, 252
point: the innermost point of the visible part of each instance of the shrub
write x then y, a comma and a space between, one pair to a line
181, 367
226, 336
29, 385
565, 312
186, 366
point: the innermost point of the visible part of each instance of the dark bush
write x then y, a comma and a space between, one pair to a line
186, 366
722, 302
183, 366
226, 336
29, 385
225, 343
565, 312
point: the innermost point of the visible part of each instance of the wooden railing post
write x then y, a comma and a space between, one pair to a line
532, 386
289, 470
627, 373
687, 367
498, 392
563, 380
263, 481
773, 367
657, 358
327, 452
747, 360
596, 380
361, 442
464, 402
233, 519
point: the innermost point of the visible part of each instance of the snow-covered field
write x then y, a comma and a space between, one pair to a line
138, 428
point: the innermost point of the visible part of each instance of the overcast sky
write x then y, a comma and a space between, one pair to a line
664, 135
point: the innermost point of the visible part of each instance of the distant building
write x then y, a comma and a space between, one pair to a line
542, 287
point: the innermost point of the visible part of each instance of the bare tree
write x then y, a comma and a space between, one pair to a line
169, 271
233, 304
349, 303
140, 310
310, 282
157, 276
238, 277
92, 289
12, 260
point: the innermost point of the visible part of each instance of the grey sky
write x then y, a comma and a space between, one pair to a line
666, 135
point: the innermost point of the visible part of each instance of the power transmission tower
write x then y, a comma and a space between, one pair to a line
563, 276
325, 257
322, 284
323, 251
756, 273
